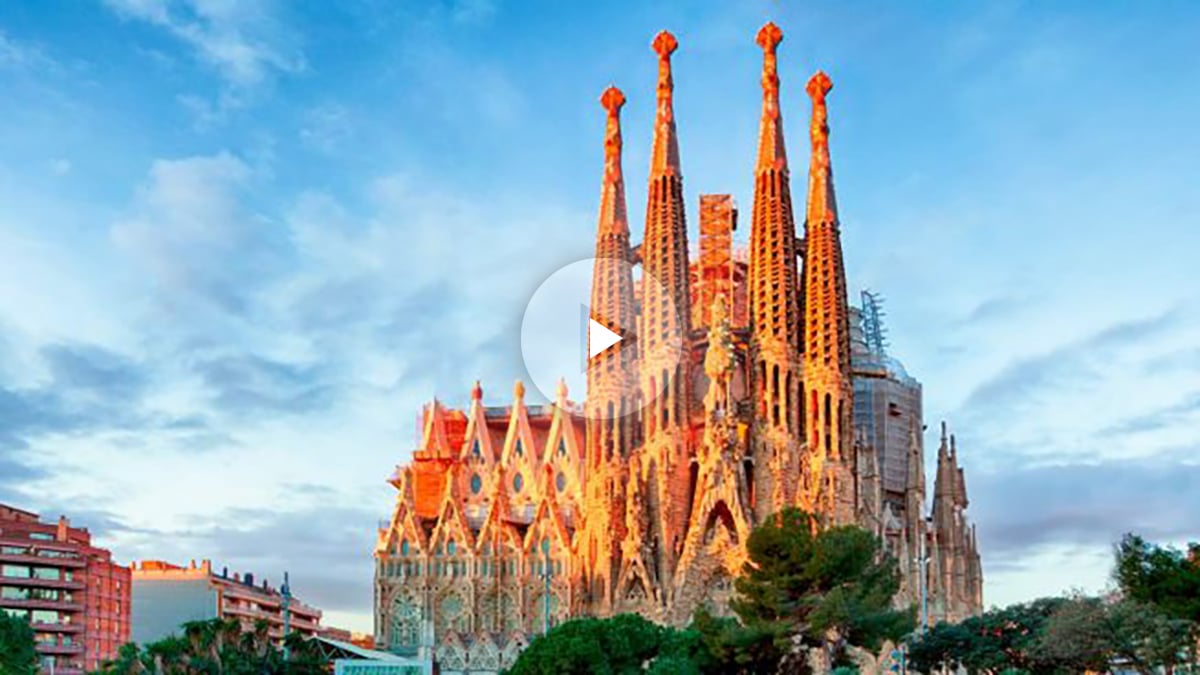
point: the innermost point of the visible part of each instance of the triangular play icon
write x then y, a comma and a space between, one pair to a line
600, 338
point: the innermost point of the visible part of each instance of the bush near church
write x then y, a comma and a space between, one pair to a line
802, 588
1153, 626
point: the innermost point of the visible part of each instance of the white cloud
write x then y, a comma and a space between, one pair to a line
244, 41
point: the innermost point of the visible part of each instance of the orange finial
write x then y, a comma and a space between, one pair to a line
519, 391
664, 157
769, 36
665, 44
818, 86
477, 391
771, 153
612, 99
562, 391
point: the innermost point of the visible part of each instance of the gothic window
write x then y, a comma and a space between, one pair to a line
560, 481
404, 547
406, 622
451, 547
518, 482
562, 447
519, 449
475, 450
476, 484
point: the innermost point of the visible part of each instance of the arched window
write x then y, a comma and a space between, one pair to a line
518, 482
404, 547
476, 484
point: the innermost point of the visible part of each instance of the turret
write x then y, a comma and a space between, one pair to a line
665, 307
610, 374
826, 319
611, 402
774, 299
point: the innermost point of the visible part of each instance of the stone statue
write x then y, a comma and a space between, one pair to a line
719, 361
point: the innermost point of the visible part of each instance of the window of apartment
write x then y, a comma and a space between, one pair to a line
14, 571
13, 550
41, 536
14, 593
47, 573
44, 616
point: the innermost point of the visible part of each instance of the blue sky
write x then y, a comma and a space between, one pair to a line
243, 242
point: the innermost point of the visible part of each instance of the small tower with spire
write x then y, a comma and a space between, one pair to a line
665, 322
828, 388
611, 374
774, 303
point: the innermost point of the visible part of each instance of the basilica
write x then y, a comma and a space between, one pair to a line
749, 383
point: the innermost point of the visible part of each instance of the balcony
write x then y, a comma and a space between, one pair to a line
17, 603
33, 582
66, 650
57, 627
44, 561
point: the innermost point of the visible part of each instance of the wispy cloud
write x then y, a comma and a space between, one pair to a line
244, 41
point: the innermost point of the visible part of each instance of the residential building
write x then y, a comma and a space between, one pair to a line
74, 595
166, 596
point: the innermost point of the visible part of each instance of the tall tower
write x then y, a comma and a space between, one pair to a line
611, 374
827, 383
664, 329
774, 305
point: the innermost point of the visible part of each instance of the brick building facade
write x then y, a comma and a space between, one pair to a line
76, 598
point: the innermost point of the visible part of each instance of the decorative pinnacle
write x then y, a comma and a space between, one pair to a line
818, 86
612, 99
562, 390
519, 390
769, 37
477, 391
665, 44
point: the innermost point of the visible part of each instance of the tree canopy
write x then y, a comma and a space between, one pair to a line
626, 643
17, 654
1160, 575
819, 583
1149, 625
218, 646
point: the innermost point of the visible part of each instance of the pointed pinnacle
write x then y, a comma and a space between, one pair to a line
819, 85
769, 36
612, 99
665, 44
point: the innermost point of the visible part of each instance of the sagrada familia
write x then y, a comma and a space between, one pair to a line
749, 388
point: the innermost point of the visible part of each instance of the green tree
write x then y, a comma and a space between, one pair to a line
1147, 638
1160, 575
17, 654
1077, 636
833, 586
621, 644
219, 646
1007, 638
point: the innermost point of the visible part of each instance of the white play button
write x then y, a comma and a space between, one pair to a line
600, 338
561, 334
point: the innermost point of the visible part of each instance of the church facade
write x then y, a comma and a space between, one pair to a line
735, 400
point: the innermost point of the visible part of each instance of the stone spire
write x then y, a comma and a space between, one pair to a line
611, 374
774, 301
664, 160
826, 313
665, 323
